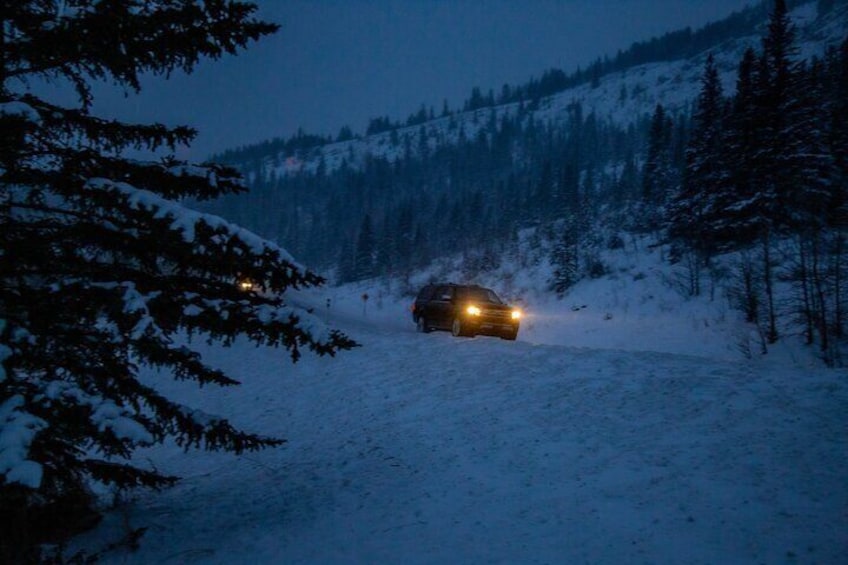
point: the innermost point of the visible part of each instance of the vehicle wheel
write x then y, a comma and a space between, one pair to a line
422, 325
458, 330
510, 335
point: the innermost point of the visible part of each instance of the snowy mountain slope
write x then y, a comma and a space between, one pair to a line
676, 84
621, 98
429, 449
640, 304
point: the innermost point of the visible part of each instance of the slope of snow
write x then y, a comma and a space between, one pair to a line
641, 304
674, 84
574, 444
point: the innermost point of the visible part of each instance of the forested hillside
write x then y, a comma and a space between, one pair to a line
734, 146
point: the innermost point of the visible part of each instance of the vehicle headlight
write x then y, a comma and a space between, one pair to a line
473, 310
516, 314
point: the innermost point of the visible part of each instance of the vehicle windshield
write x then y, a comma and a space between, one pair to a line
479, 295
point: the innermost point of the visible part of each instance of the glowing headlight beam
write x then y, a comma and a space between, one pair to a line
473, 310
516, 314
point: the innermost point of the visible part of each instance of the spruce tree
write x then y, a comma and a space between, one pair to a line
656, 174
628, 182
697, 205
565, 258
742, 217
837, 92
779, 89
838, 130
103, 270
810, 163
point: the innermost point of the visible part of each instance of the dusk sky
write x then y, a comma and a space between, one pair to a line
338, 62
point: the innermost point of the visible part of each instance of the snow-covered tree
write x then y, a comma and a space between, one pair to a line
779, 106
657, 177
103, 270
697, 205
704, 173
743, 215
565, 259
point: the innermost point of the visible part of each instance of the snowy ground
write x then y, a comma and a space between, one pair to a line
429, 449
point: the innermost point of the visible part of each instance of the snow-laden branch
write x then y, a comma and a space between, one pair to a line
187, 221
20, 110
105, 413
18, 428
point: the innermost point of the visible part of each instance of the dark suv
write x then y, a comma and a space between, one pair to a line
465, 310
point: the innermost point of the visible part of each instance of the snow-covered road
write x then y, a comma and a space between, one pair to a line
430, 449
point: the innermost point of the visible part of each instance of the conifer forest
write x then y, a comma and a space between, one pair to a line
754, 173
